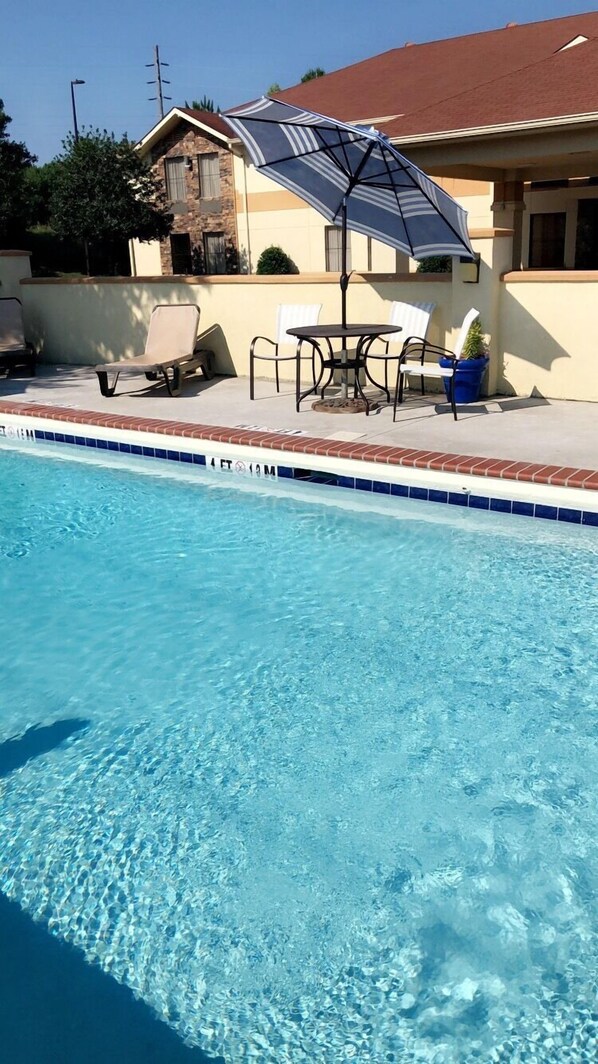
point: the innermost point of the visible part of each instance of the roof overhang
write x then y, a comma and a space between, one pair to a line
169, 122
549, 148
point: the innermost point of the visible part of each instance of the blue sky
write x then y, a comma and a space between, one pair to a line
230, 50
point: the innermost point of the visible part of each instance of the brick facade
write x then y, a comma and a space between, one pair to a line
199, 216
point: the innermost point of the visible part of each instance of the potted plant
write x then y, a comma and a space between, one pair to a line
471, 366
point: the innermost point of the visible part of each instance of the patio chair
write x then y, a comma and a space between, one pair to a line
289, 315
414, 321
171, 351
433, 369
14, 349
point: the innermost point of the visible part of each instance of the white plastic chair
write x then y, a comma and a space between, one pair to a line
288, 316
414, 321
431, 369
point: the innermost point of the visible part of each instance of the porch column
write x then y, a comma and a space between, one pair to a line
508, 208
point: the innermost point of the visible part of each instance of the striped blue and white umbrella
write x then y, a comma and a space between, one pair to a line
354, 177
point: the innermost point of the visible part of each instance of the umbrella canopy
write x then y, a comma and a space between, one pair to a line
354, 177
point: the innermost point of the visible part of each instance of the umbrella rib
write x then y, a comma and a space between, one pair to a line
426, 197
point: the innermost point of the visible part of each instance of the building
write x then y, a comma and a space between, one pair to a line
506, 121
190, 152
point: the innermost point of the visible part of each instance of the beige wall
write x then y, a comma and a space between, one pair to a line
14, 265
541, 326
145, 258
548, 335
90, 321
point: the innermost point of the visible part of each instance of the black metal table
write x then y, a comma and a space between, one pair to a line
357, 361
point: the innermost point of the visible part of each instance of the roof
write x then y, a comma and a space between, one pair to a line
500, 77
204, 121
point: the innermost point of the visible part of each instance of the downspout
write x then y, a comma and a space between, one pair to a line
246, 209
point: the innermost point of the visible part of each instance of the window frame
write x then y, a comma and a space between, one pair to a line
207, 237
209, 185
179, 182
336, 251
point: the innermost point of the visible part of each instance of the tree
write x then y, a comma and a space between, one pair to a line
15, 160
105, 194
315, 72
39, 184
205, 104
274, 89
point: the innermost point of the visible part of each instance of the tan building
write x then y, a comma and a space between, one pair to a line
506, 121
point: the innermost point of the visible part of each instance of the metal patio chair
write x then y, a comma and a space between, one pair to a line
289, 315
433, 369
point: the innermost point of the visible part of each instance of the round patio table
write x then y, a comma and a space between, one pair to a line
331, 360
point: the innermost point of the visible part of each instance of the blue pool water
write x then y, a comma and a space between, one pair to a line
316, 783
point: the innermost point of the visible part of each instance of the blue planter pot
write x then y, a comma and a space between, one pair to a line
468, 378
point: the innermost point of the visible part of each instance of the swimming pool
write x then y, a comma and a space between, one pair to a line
323, 780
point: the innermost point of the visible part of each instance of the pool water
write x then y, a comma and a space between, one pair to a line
323, 784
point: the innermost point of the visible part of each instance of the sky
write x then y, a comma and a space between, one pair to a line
229, 50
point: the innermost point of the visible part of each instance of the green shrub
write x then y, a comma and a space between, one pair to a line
435, 264
275, 260
475, 343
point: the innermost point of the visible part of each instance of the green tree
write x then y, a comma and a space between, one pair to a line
315, 72
15, 160
205, 104
39, 184
274, 89
105, 194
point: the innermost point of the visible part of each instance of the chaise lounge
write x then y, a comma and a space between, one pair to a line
14, 349
171, 351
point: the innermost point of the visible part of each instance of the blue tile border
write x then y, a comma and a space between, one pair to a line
518, 507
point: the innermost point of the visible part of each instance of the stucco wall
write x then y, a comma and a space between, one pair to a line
548, 335
14, 265
541, 326
90, 321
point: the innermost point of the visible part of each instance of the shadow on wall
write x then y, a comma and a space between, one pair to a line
215, 339
55, 1008
112, 318
528, 341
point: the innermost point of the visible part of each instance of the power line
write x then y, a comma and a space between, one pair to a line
158, 81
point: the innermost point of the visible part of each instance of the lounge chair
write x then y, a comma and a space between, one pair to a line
431, 369
288, 316
14, 349
414, 321
172, 351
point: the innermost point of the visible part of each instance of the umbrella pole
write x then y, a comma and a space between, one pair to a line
344, 285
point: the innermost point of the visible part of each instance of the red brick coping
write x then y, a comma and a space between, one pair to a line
538, 473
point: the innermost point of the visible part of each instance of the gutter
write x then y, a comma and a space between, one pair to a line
512, 127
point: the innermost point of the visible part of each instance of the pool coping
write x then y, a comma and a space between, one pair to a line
484, 483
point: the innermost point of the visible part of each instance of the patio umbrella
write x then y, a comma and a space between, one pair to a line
354, 177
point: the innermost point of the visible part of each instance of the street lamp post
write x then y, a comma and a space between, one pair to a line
76, 81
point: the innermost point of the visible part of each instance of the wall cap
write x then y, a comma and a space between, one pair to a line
549, 276
251, 279
14, 254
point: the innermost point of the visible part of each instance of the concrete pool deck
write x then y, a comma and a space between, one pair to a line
529, 439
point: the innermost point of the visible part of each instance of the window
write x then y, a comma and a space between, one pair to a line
180, 250
586, 237
334, 249
547, 241
215, 252
208, 166
175, 180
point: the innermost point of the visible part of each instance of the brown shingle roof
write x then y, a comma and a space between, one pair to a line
501, 76
210, 119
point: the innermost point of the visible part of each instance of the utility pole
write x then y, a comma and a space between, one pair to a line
158, 81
